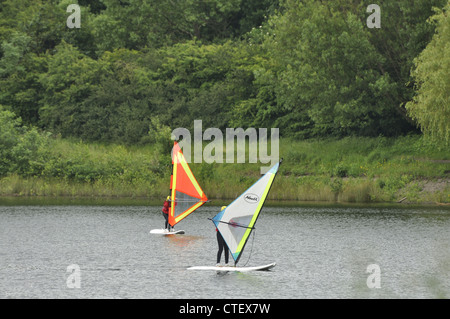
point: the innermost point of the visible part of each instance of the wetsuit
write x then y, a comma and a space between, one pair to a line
165, 211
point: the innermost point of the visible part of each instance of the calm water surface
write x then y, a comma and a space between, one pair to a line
321, 252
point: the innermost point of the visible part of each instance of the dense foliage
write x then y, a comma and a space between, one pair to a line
431, 106
312, 68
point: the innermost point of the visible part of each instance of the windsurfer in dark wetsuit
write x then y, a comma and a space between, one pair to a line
222, 245
165, 212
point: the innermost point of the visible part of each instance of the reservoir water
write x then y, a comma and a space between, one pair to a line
321, 252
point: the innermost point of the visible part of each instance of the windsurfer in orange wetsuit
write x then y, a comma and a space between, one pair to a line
165, 212
222, 245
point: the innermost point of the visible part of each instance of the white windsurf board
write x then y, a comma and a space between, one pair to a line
231, 268
165, 232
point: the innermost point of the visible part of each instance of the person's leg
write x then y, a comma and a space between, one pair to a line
166, 225
226, 250
220, 242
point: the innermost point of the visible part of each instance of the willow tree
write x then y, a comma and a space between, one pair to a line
431, 105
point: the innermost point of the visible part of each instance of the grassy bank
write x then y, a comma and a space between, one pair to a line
345, 170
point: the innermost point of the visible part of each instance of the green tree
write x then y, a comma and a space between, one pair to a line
431, 106
22, 149
404, 33
253, 13
19, 77
109, 99
29, 32
8, 139
136, 24
71, 78
204, 81
327, 70
120, 107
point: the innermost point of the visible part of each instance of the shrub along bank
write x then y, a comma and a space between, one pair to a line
353, 169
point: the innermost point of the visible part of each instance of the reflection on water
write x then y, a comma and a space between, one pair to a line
320, 251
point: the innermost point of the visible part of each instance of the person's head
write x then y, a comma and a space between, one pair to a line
223, 207
168, 198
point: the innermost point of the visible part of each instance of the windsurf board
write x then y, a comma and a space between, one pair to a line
165, 232
231, 268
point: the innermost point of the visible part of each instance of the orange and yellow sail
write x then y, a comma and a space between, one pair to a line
186, 193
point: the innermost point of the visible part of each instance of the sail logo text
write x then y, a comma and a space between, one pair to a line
251, 198
256, 147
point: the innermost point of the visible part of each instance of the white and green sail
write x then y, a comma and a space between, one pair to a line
236, 222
